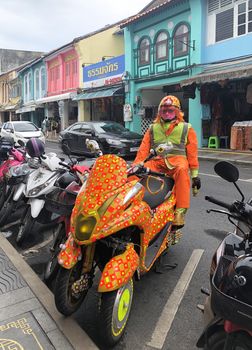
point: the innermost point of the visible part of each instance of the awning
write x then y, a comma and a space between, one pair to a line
118, 91
10, 107
55, 98
217, 72
25, 109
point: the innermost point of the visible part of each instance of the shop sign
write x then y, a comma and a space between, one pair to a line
127, 112
108, 72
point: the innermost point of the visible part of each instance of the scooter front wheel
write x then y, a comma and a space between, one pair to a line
25, 227
239, 341
52, 266
2, 193
114, 313
69, 292
6, 211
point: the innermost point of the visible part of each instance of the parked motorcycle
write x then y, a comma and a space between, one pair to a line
61, 201
122, 224
9, 157
15, 179
228, 307
38, 183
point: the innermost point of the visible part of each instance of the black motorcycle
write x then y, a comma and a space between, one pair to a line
228, 307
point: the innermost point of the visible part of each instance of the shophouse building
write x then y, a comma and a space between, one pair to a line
10, 95
102, 64
162, 45
33, 87
62, 71
225, 81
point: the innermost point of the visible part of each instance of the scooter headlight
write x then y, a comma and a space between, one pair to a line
84, 227
37, 189
20, 170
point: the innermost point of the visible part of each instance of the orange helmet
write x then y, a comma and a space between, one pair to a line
170, 100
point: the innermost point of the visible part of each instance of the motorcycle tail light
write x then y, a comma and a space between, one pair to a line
84, 227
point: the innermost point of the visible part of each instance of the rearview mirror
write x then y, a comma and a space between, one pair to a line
93, 146
227, 171
89, 132
21, 143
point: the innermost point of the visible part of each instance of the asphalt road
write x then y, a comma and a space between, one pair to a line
154, 293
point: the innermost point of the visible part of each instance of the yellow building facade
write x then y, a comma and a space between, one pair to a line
93, 48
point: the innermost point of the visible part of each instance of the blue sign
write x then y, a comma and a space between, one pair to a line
105, 69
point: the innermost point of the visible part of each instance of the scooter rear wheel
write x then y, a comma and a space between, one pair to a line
240, 341
114, 313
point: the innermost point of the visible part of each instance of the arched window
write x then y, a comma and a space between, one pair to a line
144, 52
43, 81
36, 84
162, 46
181, 40
26, 88
29, 86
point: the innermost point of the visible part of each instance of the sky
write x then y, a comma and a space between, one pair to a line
43, 25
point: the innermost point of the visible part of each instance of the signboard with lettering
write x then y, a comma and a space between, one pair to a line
108, 72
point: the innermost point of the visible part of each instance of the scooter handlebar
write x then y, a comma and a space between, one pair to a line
65, 165
220, 203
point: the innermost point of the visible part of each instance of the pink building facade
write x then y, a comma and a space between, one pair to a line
62, 67
63, 73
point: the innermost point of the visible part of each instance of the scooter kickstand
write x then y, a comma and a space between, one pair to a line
159, 267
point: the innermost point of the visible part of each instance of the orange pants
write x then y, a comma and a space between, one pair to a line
180, 174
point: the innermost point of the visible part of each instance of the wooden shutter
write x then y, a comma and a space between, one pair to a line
224, 25
213, 5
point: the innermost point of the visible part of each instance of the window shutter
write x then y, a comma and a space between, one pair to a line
224, 25
213, 5
224, 3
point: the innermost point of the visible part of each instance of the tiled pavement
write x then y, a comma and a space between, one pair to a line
28, 317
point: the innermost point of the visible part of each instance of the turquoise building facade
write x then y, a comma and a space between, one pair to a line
225, 79
34, 87
163, 46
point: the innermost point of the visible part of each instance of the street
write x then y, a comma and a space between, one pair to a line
154, 293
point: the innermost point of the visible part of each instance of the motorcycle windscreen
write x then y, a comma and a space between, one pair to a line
107, 175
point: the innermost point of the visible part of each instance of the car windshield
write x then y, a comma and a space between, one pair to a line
25, 127
109, 127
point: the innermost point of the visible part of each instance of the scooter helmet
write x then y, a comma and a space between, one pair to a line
35, 147
237, 282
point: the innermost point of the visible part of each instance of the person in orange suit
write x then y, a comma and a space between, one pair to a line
169, 126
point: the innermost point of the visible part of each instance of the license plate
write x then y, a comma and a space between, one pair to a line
134, 149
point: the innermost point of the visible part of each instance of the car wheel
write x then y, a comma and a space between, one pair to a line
65, 147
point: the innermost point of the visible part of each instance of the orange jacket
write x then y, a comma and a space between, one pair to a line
191, 147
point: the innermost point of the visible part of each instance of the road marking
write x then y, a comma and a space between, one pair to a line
212, 175
171, 307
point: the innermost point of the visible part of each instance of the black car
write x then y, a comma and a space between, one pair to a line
112, 137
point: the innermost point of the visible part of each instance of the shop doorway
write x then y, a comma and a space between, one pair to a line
225, 103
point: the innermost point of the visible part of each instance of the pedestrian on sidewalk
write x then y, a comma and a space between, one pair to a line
45, 126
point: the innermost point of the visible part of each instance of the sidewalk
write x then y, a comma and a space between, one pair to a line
238, 157
28, 317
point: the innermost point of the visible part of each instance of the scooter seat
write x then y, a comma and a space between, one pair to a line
157, 189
